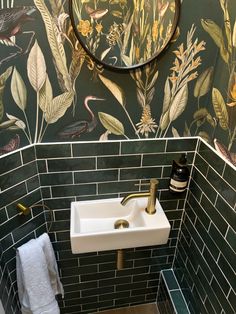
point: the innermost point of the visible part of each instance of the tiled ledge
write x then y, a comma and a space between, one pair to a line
170, 298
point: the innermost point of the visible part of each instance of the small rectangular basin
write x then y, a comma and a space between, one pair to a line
92, 225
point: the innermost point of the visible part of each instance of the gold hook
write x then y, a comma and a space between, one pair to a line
24, 210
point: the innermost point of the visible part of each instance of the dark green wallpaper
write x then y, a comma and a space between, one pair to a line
51, 91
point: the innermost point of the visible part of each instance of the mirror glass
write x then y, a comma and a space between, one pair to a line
124, 34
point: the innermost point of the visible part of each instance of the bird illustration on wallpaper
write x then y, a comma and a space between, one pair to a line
11, 23
75, 129
48, 108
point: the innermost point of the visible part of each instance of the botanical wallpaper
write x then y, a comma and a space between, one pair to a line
51, 90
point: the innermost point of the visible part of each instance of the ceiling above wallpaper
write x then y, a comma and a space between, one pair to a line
51, 90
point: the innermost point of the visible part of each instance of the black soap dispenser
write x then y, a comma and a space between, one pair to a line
179, 175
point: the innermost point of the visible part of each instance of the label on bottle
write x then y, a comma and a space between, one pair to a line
178, 186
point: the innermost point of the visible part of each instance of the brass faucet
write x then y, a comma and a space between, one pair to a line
150, 209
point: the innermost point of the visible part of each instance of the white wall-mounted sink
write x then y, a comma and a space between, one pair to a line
92, 225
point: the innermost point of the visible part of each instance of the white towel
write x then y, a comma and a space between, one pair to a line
46, 245
35, 289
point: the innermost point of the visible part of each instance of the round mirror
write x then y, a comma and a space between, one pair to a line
124, 34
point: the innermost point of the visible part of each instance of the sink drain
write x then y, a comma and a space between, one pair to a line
121, 224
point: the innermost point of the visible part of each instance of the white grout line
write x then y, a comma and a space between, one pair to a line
209, 166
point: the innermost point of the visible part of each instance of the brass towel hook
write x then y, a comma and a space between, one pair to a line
24, 210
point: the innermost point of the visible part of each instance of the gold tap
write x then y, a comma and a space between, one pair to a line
151, 196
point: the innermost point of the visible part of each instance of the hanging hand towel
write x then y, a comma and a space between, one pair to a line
46, 245
36, 292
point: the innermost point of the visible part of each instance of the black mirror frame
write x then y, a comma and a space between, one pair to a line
133, 67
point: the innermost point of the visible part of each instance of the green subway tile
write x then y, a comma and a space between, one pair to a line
140, 173
195, 189
226, 211
195, 233
74, 164
181, 204
193, 254
28, 227
82, 270
59, 203
178, 301
231, 238
96, 275
214, 215
216, 271
12, 194
169, 204
6, 242
18, 175
208, 306
137, 254
190, 213
46, 192
97, 291
174, 214
73, 190
211, 158
225, 190
201, 164
56, 179
230, 176
117, 187
161, 159
205, 185
53, 151
106, 258
42, 167
63, 236
163, 184
163, 251
118, 162
209, 291
167, 195
28, 154
95, 149
3, 215
223, 246
221, 297
68, 263
199, 211
232, 300
164, 159
33, 183
207, 239
62, 214
181, 145
170, 279
10, 162
166, 171
143, 146
114, 281
96, 305
96, 176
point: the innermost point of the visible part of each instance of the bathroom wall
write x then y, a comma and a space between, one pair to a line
205, 258
100, 170
19, 182
142, 104
88, 171
79, 171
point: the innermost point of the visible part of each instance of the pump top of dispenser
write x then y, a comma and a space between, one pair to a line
183, 159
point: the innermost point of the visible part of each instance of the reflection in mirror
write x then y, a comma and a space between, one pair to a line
124, 33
